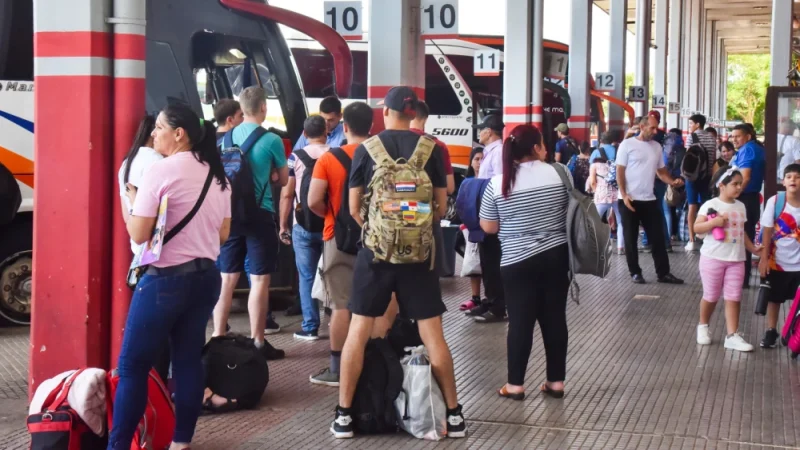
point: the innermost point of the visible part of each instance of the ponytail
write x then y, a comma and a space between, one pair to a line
519, 144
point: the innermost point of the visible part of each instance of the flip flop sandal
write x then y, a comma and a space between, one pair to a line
552, 392
467, 305
228, 406
503, 392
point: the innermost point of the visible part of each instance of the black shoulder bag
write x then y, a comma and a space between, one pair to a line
135, 274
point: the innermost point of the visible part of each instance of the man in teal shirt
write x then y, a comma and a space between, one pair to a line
258, 240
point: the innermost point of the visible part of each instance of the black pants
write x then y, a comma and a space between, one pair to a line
752, 205
491, 253
651, 216
537, 291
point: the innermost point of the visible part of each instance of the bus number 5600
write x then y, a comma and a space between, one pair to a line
450, 131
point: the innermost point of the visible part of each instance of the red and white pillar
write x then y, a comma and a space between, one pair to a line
72, 244
128, 21
396, 52
537, 73
580, 57
517, 66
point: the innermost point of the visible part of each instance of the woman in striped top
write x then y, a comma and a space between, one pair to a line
527, 207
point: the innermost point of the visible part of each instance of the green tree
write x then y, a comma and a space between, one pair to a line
748, 79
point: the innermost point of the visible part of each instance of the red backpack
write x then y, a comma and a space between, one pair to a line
158, 423
58, 426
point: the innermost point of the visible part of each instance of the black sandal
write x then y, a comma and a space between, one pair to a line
503, 392
552, 392
228, 406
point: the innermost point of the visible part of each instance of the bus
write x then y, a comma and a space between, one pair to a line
456, 97
198, 59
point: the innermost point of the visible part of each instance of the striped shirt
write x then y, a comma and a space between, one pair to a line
708, 142
533, 218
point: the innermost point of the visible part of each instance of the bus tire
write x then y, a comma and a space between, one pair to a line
16, 268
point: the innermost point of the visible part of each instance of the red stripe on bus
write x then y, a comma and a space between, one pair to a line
73, 43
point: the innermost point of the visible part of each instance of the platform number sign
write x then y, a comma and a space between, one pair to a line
439, 19
659, 101
605, 82
344, 18
487, 63
674, 108
637, 94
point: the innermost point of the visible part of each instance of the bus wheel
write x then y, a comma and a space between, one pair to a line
16, 268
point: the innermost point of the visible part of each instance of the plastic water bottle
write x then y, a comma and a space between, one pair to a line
717, 232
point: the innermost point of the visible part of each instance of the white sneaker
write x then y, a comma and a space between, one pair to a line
691, 246
737, 342
703, 335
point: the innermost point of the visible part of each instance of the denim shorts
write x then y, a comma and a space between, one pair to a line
261, 249
698, 191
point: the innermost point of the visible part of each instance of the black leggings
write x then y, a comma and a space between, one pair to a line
491, 253
536, 290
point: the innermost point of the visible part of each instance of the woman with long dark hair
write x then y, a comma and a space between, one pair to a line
140, 157
174, 298
527, 207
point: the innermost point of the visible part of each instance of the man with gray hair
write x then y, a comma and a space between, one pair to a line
255, 238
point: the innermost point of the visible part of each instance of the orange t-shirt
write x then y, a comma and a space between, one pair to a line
329, 169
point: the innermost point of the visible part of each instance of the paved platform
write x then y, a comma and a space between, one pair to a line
635, 379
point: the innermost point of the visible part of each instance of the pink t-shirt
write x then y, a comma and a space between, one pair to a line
181, 178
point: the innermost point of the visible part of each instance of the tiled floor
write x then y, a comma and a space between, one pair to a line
636, 379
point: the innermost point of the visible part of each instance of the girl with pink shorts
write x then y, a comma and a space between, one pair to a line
722, 256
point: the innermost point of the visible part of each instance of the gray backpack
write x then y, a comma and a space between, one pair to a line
588, 237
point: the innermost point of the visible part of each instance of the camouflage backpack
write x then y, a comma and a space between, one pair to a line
398, 225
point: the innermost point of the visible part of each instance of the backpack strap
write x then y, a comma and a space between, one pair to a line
563, 175
185, 221
603, 153
307, 160
63, 391
251, 140
780, 204
343, 158
377, 151
574, 289
227, 140
422, 152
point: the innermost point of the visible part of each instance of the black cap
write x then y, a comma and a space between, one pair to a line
402, 99
493, 121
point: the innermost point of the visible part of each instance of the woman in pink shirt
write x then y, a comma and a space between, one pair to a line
174, 299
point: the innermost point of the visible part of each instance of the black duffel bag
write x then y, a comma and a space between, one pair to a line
235, 369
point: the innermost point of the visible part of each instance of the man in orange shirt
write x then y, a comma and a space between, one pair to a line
328, 191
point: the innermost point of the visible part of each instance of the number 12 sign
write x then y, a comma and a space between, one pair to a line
487, 63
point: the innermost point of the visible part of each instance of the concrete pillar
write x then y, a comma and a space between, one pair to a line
781, 43
687, 65
396, 52
580, 61
517, 69
675, 59
618, 37
537, 72
695, 62
642, 76
707, 67
75, 185
660, 75
129, 105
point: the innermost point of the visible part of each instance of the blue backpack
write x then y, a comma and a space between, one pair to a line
244, 206
468, 206
780, 205
611, 176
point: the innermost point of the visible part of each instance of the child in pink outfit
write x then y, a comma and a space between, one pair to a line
722, 271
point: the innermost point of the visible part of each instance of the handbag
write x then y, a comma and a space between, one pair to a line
135, 274
471, 264
675, 197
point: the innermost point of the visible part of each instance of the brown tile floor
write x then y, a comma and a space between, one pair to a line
636, 379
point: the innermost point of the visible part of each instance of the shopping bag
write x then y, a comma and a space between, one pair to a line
420, 406
318, 290
471, 265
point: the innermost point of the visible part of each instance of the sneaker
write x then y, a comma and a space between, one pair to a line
770, 339
737, 342
704, 335
645, 248
325, 377
456, 425
479, 310
272, 326
670, 279
271, 353
621, 251
638, 279
692, 246
488, 317
342, 425
307, 335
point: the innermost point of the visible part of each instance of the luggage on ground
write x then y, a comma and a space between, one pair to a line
378, 386
403, 334
157, 426
235, 370
790, 335
420, 405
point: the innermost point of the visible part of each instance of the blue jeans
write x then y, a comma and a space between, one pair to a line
307, 251
660, 189
602, 208
175, 307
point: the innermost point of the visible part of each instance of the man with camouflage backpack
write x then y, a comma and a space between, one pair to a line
398, 187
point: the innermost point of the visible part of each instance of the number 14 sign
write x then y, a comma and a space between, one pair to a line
487, 63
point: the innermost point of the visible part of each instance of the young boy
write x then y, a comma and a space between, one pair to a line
780, 258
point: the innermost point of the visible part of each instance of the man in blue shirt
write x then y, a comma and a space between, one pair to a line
566, 146
607, 144
751, 160
331, 110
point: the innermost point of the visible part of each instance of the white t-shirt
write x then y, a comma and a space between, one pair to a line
732, 249
141, 163
641, 161
788, 153
787, 247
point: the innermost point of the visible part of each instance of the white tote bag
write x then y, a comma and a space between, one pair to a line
472, 258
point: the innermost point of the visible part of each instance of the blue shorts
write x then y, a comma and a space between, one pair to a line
698, 191
261, 249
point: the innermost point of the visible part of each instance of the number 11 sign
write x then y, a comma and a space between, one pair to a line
487, 63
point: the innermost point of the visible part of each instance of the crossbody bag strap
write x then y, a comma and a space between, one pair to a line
185, 221
563, 175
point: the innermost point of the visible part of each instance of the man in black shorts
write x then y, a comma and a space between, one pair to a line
416, 285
